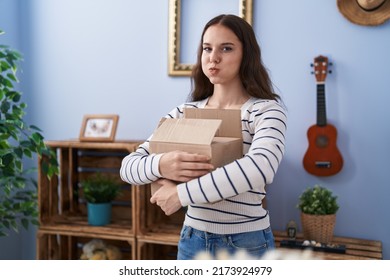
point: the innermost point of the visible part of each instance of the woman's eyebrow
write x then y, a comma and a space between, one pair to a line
227, 44
222, 44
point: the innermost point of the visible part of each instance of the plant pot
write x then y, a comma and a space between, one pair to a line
99, 214
318, 227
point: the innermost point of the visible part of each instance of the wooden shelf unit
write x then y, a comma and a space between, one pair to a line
62, 210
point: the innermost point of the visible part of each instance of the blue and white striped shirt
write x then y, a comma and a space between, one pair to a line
227, 200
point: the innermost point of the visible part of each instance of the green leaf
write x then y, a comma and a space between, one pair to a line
23, 105
25, 223
37, 138
8, 159
5, 107
45, 167
14, 226
16, 206
19, 152
14, 55
6, 224
5, 65
7, 83
35, 128
27, 153
12, 77
18, 113
16, 96
25, 144
19, 166
5, 151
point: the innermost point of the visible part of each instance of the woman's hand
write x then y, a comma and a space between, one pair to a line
182, 166
167, 197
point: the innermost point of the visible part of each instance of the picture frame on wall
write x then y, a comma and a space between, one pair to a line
99, 128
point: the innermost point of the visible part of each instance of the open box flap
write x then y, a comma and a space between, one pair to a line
231, 119
187, 131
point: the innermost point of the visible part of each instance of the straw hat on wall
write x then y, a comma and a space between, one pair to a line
365, 12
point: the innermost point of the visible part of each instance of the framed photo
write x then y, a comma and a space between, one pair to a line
101, 128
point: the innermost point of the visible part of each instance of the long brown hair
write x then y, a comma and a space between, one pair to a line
253, 74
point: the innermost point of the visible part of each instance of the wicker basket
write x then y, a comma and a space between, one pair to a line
318, 227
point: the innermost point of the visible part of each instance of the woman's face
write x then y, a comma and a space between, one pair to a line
222, 55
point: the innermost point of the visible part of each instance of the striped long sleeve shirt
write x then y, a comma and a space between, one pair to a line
227, 200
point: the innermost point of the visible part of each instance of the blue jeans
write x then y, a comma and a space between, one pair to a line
193, 241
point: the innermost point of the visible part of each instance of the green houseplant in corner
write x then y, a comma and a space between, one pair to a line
99, 191
18, 141
318, 208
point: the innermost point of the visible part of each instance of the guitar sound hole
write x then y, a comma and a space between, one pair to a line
322, 141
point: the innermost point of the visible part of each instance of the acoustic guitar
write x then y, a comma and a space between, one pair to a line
322, 157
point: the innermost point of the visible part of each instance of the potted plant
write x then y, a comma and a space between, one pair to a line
318, 208
18, 141
99, 191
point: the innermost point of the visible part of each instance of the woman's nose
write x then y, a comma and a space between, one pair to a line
214, 57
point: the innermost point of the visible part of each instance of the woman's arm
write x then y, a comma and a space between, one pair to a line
141, 167
264, 130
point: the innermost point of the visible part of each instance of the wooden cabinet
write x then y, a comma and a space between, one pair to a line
63, 225
140, 229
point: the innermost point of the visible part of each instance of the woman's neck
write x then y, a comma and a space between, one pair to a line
227, 97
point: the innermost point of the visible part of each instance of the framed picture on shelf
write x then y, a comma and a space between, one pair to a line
101, 128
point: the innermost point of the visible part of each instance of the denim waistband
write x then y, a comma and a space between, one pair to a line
208, 235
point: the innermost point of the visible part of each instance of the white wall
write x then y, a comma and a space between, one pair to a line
96, 56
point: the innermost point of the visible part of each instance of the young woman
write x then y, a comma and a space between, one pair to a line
224, 204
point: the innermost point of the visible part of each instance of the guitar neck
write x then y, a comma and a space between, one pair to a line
321, 109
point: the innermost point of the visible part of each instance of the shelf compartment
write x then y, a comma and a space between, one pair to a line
151, 220
57, 244
157, 247
61, 199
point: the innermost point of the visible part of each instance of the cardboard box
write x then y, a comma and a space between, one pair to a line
216, 133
